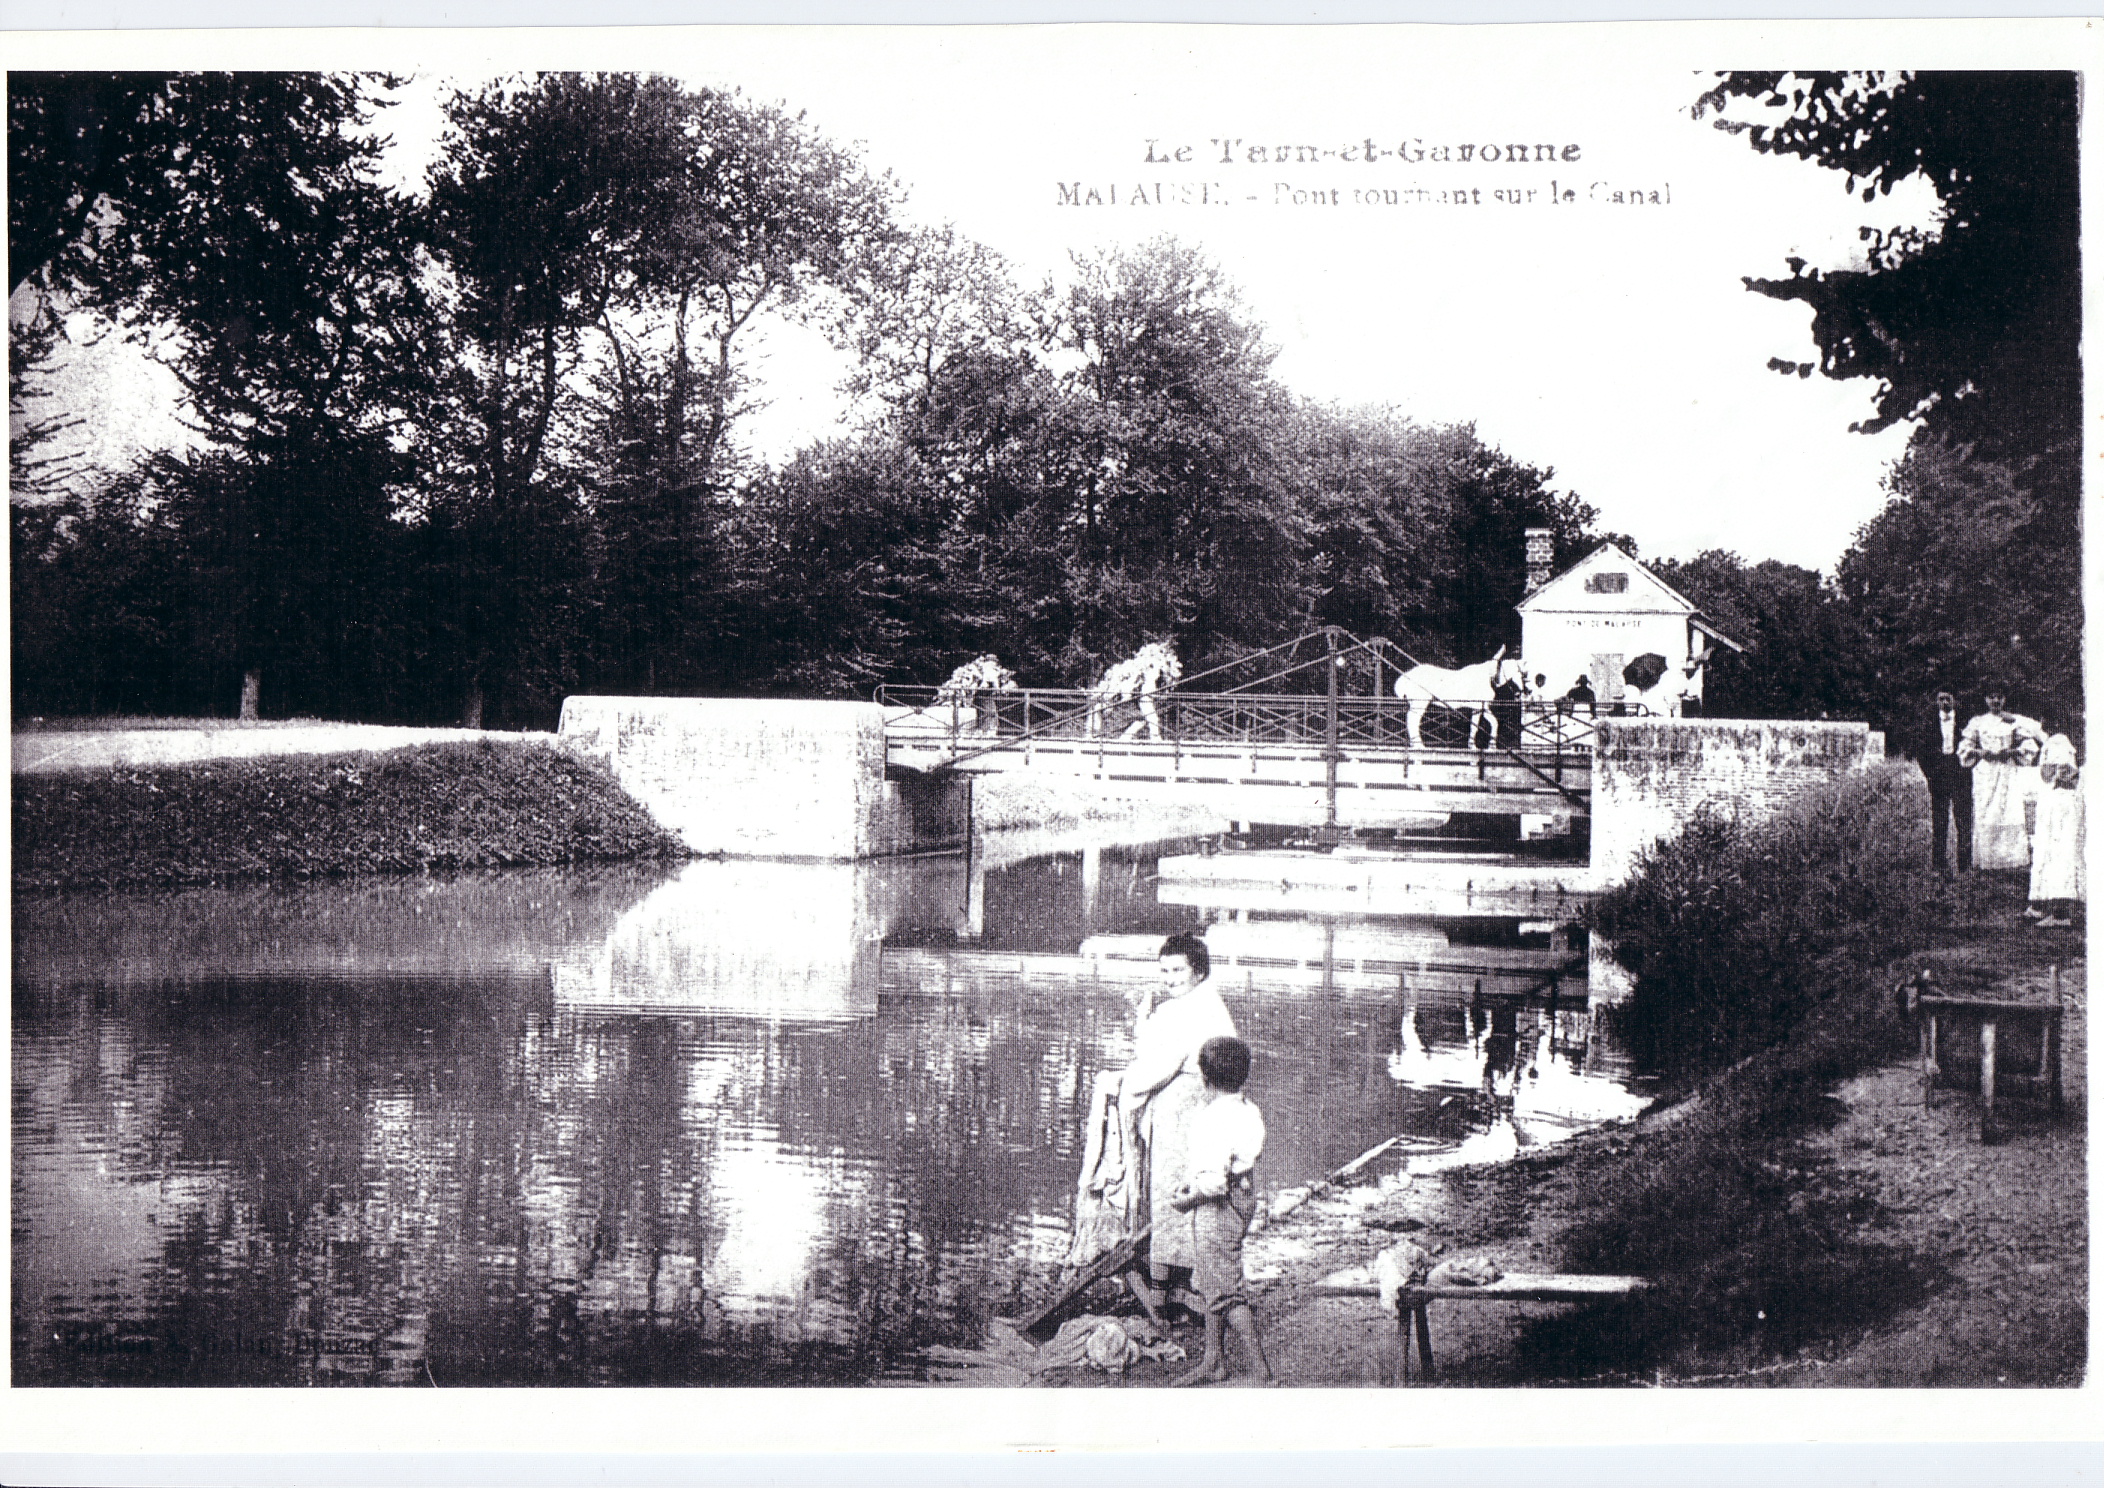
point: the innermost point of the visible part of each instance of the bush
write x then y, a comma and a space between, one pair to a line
484, 804
1732, 932
1768, 949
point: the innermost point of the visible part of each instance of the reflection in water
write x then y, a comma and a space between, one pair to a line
784, 940
728, 1123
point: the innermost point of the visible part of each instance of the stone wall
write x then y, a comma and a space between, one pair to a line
767, 779
1651, 775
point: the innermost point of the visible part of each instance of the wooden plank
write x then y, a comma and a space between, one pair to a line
1112, 1261
2053, 1053
1991, 1005
1517, 1286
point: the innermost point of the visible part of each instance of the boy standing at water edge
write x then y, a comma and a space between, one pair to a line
1219, 1196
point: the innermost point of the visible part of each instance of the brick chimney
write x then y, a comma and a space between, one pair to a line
1540, 557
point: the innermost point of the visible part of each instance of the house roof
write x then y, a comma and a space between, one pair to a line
1566, 592
1715, 634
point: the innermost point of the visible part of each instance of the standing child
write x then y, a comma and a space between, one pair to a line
1218, 1196
2056, 848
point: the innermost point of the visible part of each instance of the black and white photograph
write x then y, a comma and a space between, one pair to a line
1378, 709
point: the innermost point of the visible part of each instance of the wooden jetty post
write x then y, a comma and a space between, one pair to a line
1987, 1079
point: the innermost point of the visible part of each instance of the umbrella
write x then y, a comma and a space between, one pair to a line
1644, 672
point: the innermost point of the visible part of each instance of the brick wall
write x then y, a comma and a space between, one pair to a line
1651, 775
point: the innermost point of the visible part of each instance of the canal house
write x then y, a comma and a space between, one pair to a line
1599, 615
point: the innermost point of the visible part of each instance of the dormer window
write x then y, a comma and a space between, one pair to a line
1607, 583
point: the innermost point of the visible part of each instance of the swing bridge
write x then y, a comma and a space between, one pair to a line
807, 778
1253, 753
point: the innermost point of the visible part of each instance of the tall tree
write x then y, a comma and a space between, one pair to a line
238, 221
121, 183
840, 579
1802, 652
934, 302
1972, 331
1420, 531
95, 622
240, 212
1181, 522
1120, 466
611, 240
542, 209
768, 218
1945, 593
1483, 503
1359, 474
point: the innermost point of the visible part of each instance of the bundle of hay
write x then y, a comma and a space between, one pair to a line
981, 674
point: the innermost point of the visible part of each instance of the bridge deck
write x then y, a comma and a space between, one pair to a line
1282, 782
1257, 757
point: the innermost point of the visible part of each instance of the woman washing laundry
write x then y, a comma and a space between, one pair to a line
1161, 1091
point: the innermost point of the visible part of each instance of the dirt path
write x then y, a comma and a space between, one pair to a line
2010, 1221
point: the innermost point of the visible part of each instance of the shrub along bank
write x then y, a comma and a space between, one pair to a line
1734, 933
486, 804
1760, 958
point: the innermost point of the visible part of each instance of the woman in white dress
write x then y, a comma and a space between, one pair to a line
1163, 1089
2000, 748
2057, 884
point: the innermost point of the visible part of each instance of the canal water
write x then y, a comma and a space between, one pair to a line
720, 1123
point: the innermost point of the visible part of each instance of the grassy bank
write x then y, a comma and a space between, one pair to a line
1764, 960
440, 806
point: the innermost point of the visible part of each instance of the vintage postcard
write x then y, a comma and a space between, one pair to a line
739, 739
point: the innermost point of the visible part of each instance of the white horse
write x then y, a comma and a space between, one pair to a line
1460, 688
1137, 678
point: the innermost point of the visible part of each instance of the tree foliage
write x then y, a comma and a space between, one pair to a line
1802, 652
239, 211
127, 186
35, 470
1948, 589
608, 241
477, 449
237, 223
1972, 329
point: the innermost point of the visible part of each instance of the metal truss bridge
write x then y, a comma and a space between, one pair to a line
1300, 759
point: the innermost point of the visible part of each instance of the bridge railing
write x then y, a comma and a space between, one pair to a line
1232, 717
